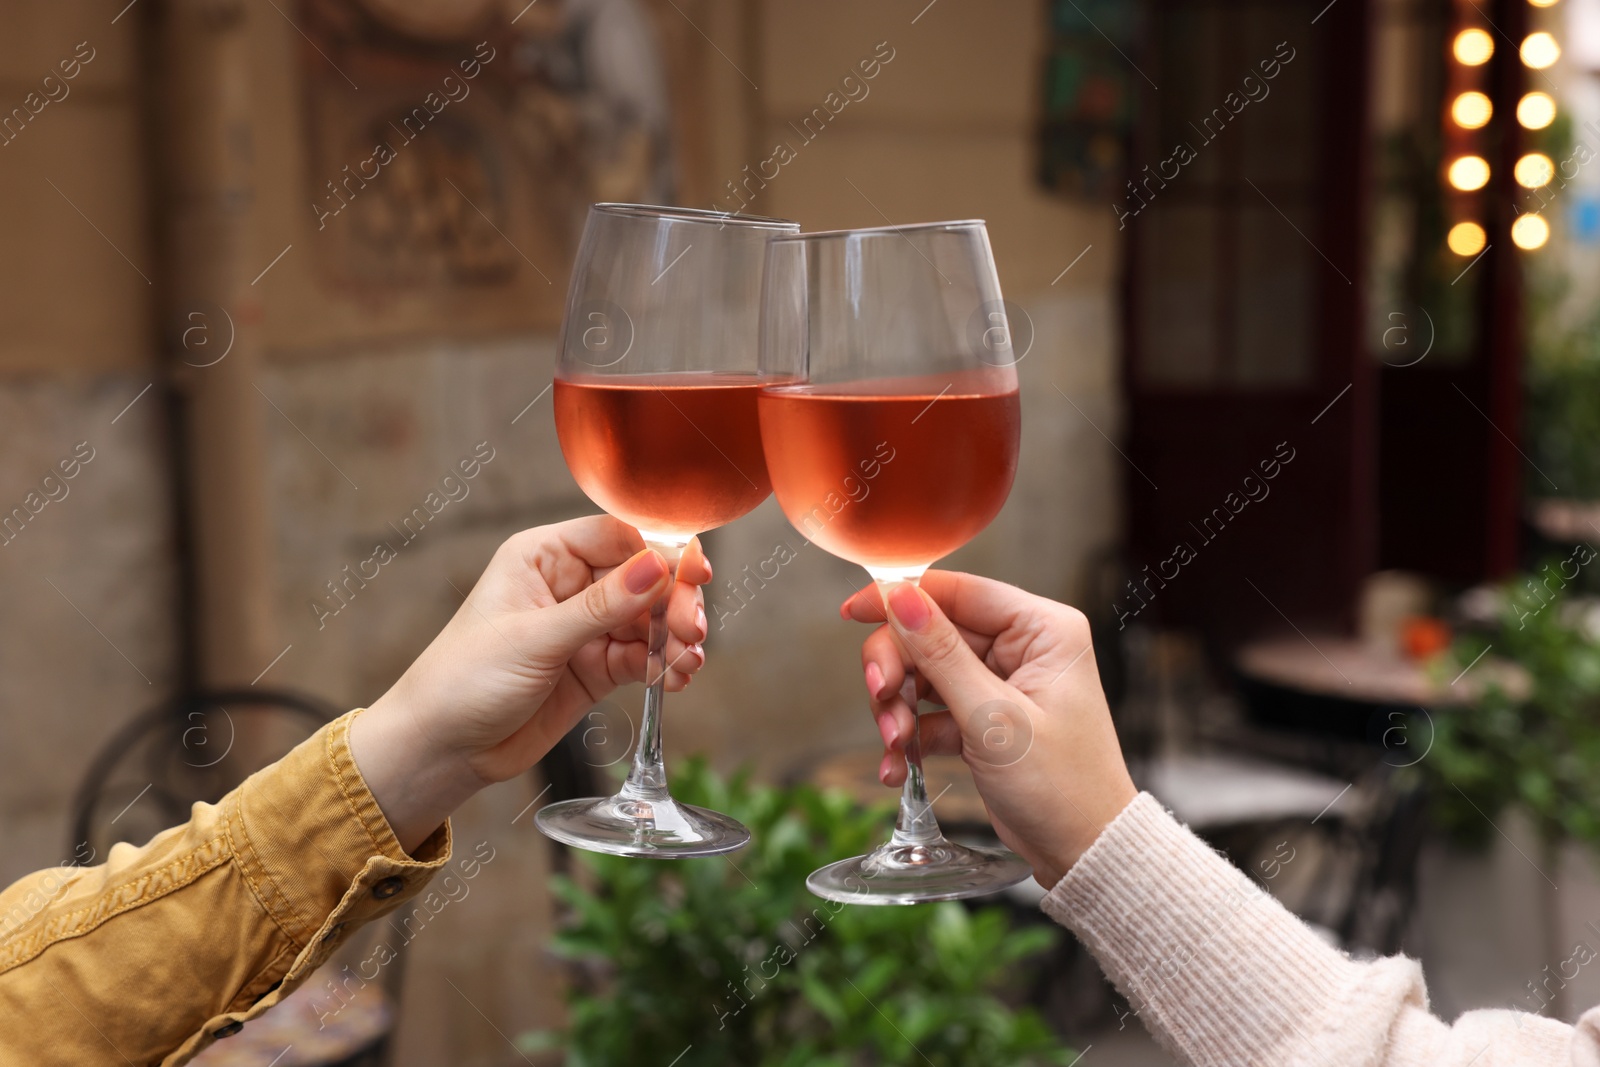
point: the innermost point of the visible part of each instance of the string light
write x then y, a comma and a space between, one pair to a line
1471, 110
1473, 47
1539, 50
1536, 110
1530, 232
1466, 238
1468, 173
1534, 170
1543, 3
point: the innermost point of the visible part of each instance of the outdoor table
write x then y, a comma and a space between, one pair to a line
1344, 687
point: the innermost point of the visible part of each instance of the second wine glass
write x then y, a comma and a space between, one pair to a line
896, 445
655, 407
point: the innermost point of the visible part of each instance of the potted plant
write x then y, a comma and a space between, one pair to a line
1538, 749
731, 961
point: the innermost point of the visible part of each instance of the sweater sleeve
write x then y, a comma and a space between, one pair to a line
1222, 974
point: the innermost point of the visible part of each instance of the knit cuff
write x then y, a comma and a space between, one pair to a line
1215, 967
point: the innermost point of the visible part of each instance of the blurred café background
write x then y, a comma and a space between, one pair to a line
1311, 389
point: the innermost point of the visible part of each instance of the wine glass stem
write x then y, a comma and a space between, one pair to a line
647, 778
914, 824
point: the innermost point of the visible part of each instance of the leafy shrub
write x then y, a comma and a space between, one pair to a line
1564, 416
1542, 752
731, 960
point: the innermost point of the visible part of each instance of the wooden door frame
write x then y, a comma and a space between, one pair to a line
1344, 379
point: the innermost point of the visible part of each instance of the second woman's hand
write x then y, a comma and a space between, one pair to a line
1026, 711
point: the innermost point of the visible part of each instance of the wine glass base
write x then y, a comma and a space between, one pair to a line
656, 829
916, 874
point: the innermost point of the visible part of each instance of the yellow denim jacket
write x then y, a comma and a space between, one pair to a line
155, 954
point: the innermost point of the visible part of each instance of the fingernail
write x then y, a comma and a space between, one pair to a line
908, 607
699, 653
874, 678
886, 728
700, 621
645, 572
883, 769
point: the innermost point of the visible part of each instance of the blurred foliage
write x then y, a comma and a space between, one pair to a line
734, 960
1417, 271
1541, 753
1563, 424
1563, 336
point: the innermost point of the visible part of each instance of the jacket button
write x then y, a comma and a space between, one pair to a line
388, 888
227, 1030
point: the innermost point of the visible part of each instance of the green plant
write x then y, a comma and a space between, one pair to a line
731, 960
1562, 394
1564, 414
1541, 750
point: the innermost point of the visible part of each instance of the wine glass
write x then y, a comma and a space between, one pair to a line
655, 408
893, 444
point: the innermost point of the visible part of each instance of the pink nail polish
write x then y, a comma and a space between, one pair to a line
886, 729
645, 572
700, 620
874, 678
908, 607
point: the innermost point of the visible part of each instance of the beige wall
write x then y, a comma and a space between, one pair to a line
70, 300
86, 590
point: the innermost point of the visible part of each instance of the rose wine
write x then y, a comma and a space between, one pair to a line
675, 454
893, 473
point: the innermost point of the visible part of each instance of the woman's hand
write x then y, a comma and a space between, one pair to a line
558, 619
1027, 713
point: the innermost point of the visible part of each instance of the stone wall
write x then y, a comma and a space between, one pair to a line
86, 587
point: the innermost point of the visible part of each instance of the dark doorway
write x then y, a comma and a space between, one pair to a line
1251, 396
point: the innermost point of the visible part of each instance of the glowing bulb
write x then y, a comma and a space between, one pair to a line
1466, 238
1543, 3
1539, 50
1534, 170
1473, 48
1471, 110
1536, 110
1468, 173
1530, 232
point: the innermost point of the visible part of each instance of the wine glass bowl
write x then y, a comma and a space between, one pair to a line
672, 454
893, 443
941, 451
655, 409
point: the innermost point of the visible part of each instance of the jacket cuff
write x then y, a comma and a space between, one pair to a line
307, 832
1209, 961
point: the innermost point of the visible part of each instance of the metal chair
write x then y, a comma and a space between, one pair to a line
177, 753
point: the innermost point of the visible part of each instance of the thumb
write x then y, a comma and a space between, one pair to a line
941, 653
618, 598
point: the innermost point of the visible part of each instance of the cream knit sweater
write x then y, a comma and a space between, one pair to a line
1224, 976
